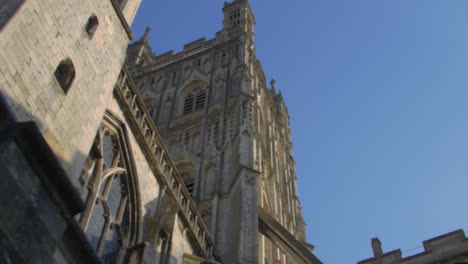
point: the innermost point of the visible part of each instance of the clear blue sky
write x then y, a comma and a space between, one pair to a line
377, 93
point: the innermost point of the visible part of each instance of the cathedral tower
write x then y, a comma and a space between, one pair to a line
229, 136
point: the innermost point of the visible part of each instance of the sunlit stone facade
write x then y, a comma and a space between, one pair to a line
229, 136
85, 176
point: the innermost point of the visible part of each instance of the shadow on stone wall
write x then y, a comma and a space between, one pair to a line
40, 204
158, 223
37, 199
8, 8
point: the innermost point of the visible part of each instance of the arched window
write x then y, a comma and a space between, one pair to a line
111, 217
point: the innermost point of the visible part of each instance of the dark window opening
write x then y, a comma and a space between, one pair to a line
200, 101
194, 102
92, 25
235, 18
65, 74
188, 104
190, 186
153, 113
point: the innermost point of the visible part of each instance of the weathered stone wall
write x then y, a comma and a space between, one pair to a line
40, 35
38, 202
40, 226
181, 244
27, 203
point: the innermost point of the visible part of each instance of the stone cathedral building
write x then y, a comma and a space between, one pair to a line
229, 136
112, 154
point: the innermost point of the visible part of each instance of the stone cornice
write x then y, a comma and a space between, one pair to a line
122, 19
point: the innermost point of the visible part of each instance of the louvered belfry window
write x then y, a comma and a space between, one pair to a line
188, 103
194, 101
201, 98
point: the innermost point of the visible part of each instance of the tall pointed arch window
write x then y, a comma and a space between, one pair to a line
111, 217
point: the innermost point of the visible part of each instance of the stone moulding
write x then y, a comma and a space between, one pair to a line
152, 145
122, 19
272, 229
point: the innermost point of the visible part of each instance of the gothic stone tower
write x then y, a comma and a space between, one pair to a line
229, 136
